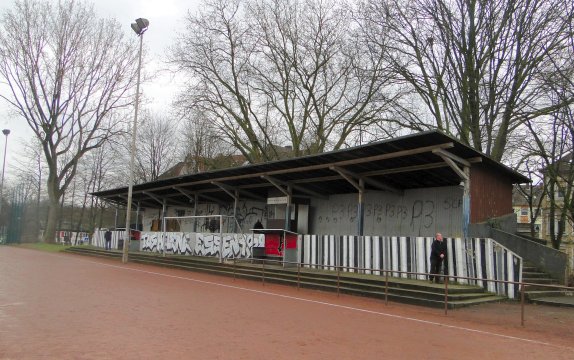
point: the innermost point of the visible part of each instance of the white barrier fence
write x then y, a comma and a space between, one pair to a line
471, 257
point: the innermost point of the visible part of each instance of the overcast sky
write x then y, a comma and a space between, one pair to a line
166, 19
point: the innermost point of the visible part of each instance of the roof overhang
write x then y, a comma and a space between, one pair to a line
424, 160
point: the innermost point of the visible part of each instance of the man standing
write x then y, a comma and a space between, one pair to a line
437, 257
108, 238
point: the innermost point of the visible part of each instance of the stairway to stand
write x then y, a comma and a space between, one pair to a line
538, 288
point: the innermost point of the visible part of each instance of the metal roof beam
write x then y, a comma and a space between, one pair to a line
296, 187
378, 184
445, 154
187, 194
376, 172
154, 197
111, 201
275, 183
348, 176
210, 198
125, 198
162, 199
410, 168
455, 168
191, 195
228, 189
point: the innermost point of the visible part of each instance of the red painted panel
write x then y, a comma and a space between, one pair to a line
273, 245
291, 241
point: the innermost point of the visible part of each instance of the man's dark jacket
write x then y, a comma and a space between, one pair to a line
437, 248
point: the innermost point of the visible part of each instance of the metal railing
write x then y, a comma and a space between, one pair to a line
446, 279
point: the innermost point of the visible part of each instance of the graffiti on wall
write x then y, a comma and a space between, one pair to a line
175, 243
419, 212
247, 214
415, 213
202, 244
151, 242
233, 246
207, 245
178, 243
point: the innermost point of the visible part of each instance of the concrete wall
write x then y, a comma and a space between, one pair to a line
419, 212
543, 257
505, 223
248, 212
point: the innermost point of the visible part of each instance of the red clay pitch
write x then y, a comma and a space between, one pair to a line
60, 306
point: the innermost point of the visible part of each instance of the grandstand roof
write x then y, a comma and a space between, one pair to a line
421, 160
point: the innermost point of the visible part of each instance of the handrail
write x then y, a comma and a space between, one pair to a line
447, 278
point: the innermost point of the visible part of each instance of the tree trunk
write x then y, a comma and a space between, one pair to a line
54, 207
53, 215
79, 224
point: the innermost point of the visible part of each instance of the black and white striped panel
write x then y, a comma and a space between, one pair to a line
402, 255
405, 256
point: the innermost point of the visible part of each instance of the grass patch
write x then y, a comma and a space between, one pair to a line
44, 247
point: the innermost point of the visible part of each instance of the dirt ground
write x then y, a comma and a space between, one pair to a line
61, 306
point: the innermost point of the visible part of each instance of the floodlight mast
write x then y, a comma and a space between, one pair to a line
139, 27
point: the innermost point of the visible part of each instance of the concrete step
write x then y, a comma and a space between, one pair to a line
540, 280
561, 301
327, 283
537, 288
418, 292
534, 275
537, 294
527, 268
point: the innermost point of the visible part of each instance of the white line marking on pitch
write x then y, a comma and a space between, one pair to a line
12, 304
338, 306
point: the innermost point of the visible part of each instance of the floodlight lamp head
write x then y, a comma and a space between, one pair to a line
140, 26
6, 132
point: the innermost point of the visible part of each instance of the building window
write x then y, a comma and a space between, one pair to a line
179, 212
524, 212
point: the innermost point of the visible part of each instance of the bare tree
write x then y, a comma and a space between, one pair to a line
553, 146
272, 72
215, 52
157, 148
202, 143
30, 170
473, 64
534, 192
553, 140
317, 73
104, 168
69, 74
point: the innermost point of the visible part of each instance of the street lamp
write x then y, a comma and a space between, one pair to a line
139, 27
6, 132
